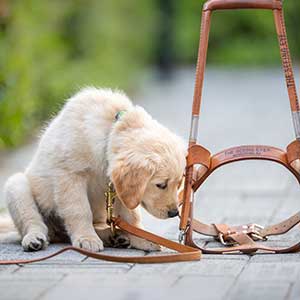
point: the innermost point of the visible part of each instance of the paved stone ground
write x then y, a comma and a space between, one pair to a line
254, 110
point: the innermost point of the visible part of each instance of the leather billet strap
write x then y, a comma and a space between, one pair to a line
215, 229
184, 252
242, 239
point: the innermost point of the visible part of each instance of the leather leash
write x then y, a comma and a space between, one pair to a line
185, 253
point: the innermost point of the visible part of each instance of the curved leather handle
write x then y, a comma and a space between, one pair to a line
241, 4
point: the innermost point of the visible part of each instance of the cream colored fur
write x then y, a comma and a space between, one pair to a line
83, 148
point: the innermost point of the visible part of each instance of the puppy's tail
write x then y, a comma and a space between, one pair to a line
8, 231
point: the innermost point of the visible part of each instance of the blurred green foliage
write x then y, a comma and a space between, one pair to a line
244, 37
48, 49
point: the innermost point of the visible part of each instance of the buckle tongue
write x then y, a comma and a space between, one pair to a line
254, 231
225, 240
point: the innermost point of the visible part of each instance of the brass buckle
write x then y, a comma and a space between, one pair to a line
254, 231
110, 196
222, 239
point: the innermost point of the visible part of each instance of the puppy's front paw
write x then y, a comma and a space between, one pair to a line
142, 244
120, 240
34, 241
90, 243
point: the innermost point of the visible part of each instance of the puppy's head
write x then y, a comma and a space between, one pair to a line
146, 163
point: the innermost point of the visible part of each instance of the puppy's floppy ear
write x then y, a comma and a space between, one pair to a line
130, 184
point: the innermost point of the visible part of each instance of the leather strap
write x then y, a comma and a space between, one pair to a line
246, 152
185, 253
249, 248
293, 151
240, 235
241, 4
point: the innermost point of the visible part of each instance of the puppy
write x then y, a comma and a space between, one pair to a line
98, 137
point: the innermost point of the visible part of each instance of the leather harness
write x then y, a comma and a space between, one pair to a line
243, 238
237, 238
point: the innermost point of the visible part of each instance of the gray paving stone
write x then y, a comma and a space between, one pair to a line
33, 275
82, 292
205, 267
271, 271
294, 291
146, 287
122, 280
8, 268
80, 268
113, 287
238, 208
14, 287
282, 258
260, 289
210, 208
243, 257
203, 287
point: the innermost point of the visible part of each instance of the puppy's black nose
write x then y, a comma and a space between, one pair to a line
173, 213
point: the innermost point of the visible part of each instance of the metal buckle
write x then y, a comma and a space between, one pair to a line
254, 231
110, 196
182, 234
222, 238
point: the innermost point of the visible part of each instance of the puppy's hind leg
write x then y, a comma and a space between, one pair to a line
25, 214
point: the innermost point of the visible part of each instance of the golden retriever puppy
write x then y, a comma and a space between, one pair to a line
99, 136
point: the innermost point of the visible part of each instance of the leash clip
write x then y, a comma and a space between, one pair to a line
182, 234
110, 196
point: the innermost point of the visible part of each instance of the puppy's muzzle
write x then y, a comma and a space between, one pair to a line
173, 213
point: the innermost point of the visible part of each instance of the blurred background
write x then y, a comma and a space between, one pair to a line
49, 49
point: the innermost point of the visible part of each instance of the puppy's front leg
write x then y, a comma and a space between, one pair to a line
134, 217
74, 208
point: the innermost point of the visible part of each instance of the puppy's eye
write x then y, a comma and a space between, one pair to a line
162, 186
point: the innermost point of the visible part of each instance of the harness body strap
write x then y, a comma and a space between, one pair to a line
243, 238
